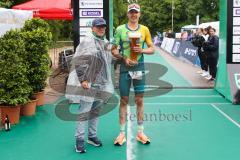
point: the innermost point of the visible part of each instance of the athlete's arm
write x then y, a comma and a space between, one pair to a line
127, 61
150, 49
115, 52
148, 40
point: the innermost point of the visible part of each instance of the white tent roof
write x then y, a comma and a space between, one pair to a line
190, 27
213, 24
11, 18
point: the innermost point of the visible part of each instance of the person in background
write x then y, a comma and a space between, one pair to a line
184, 36
205, 34
198, 41
211, 47
191, 34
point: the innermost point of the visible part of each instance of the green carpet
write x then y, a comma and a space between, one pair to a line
200, 131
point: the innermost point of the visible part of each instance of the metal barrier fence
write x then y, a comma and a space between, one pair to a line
60, 48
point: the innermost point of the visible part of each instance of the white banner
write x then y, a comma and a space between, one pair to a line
91, 3
86, 22
236, 57
236, 21
236, 12
85, 31
236, 30
169, 45
236, 49
164, 43
236, 3
236, 39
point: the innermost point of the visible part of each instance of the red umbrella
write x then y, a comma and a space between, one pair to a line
48, 9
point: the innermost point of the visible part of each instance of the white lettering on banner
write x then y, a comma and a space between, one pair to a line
236, 3
236, 21
236, 57
91, 3
190, 52
236, 30
169, 45
86, 22
236, 39
237, 79
91, 13
236, 12
176, 47
236, 49
84, 31
164, 43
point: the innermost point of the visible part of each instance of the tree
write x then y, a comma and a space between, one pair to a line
10, 3
157, 14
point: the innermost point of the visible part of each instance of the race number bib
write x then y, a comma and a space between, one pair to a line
136, 74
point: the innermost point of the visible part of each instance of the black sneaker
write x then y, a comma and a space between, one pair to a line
95, 142
79, 147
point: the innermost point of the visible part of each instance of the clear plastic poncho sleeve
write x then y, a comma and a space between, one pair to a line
91, 62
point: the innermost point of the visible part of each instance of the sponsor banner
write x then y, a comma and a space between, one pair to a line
91, 3
236, 3
236, 30
236, 21
85, 31
182, 49
236, 49
163, 45
234, 79
236, 57
189, 52
91, 13
236, 12
169, 45
236, 39
86, 22
176, 48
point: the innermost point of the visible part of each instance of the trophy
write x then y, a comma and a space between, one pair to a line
134, 38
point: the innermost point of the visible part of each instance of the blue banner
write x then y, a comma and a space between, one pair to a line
176, 48
189, 52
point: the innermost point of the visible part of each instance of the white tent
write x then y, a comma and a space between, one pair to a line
212, 24
11, 19
189, 27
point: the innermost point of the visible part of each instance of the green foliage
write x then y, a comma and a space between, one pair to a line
61, 30
35, 23
6, 3
120, 11
10, 3
37, 43
14, 84
157, 14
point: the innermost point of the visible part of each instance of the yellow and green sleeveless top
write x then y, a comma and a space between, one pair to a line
121, 39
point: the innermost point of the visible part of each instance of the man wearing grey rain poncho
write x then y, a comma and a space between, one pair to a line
90, 82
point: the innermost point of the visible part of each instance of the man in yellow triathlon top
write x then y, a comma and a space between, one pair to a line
132, 71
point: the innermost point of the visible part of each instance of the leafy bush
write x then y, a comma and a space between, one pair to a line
36, 23
14, 84
24, 62
37, 39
